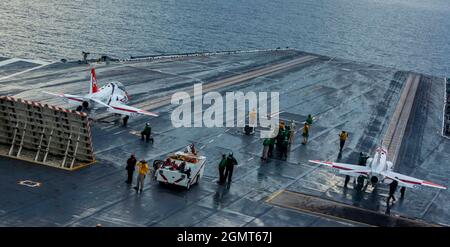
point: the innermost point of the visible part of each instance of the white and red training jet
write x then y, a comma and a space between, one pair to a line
113, 96
378, 169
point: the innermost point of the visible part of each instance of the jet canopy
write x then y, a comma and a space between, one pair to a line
119, 85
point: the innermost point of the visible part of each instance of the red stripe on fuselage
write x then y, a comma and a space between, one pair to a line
411, 182
123, 109
343, 168
79, 100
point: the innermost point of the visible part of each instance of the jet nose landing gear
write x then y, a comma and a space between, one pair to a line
374, 180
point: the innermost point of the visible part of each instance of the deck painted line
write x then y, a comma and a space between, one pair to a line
271, 197
443, 110
256, 140
8, 61
430, 204
13, 60
397, 126
23, 72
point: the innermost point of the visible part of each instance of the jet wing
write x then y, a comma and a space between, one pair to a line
343, 168
70, 97
117, 107
410, 182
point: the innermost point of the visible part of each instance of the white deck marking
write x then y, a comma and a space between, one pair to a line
13, 60
29, 183
8, 61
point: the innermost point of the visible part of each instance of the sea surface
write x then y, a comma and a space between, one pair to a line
404, 34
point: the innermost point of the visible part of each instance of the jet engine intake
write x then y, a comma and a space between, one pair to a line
374, 179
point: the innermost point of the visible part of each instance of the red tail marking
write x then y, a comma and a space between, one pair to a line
94, 81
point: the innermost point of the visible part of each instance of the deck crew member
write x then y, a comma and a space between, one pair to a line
342, 138
347, 179
182, 169
291, 133
231, 162
131, 163
392, 189
309, 120
280, 135
147, 133
284, 148
85, 55
222, 165
265, 151
402, 192
152, 171
156, 166
125, 120
305, 133
191, 149
271, 146
252, 120
143, 170
362, 161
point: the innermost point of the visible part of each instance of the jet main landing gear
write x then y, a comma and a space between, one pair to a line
360, 182
125, 120
83, 106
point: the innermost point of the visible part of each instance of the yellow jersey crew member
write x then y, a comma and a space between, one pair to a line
342, 137
143, 170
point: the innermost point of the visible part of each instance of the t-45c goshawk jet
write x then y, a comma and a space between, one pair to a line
379, 169
113, 96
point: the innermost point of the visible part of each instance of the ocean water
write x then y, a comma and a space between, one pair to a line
405, 34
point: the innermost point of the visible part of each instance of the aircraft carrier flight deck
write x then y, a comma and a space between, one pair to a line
342, 95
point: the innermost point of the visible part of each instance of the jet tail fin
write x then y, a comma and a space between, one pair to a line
93, 85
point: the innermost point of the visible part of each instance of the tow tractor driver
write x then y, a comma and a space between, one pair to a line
191, 149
